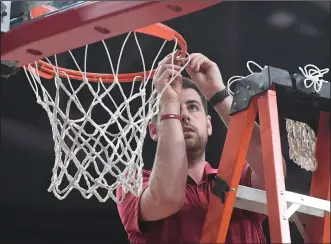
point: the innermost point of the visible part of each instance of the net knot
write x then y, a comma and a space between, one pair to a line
313, 74
57, 78
143, 92
85, 79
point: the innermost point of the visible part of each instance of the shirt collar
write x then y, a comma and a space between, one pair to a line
208, 174
209, 170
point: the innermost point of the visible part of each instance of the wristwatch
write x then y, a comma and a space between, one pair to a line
218, 97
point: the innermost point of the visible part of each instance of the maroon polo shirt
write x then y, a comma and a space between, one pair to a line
186, 225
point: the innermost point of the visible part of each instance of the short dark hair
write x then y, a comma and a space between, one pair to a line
189, 84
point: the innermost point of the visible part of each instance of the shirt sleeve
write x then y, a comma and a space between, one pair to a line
245, 180
129, 210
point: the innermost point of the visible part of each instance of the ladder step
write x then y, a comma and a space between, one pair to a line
255, 200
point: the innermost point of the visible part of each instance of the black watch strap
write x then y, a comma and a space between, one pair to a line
219, 97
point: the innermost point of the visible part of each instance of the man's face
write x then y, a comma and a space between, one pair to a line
196, 124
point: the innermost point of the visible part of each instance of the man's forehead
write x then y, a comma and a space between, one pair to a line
189, 95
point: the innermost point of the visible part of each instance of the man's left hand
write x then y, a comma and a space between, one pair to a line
205, 74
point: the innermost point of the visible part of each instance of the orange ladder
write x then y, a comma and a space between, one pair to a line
232, 162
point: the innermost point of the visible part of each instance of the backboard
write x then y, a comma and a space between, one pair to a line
72, 24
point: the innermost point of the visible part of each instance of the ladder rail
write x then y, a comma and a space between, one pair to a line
273, 168
256, 93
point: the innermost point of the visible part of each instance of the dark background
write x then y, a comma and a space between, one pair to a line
287, 35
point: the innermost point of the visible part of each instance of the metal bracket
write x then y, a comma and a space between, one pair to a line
8, 68
257, 83
3, 10
5, 16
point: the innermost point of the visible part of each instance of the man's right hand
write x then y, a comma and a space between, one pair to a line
168, 69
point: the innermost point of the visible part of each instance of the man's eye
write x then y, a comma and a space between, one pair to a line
193, 107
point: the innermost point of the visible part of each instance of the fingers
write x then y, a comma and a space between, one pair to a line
163, 67
166, 76
199, 63
172, 58
168, 68
197, 60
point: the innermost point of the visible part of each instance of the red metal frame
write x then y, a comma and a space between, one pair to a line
232, 161
273, 168
319, 230
230, 168
46, 36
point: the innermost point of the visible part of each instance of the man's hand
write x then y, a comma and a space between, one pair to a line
205, 74
166, 71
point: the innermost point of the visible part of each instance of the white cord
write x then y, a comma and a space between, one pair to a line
236, 78
314, 75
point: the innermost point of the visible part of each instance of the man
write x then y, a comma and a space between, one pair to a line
176, 193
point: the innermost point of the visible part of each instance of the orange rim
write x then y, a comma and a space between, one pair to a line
159, 30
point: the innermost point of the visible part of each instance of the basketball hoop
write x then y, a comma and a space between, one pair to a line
46, 70
96, 160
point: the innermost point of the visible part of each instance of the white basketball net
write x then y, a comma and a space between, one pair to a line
302, 143
301, 138
97, 159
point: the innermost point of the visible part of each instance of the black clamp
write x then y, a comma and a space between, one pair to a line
220, 188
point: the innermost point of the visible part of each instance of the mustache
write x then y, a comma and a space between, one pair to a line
188, 127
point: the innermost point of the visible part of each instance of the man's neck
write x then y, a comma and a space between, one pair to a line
196, 168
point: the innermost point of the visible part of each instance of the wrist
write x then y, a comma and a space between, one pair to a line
170, 108
170, 116
213, 91
218, 97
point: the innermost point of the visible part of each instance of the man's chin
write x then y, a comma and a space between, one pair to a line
190, 144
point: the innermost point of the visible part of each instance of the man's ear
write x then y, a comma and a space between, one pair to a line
209, 126
152, 131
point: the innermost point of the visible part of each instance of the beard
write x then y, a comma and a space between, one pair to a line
195, 145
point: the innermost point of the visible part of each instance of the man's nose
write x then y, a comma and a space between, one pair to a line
185, 114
